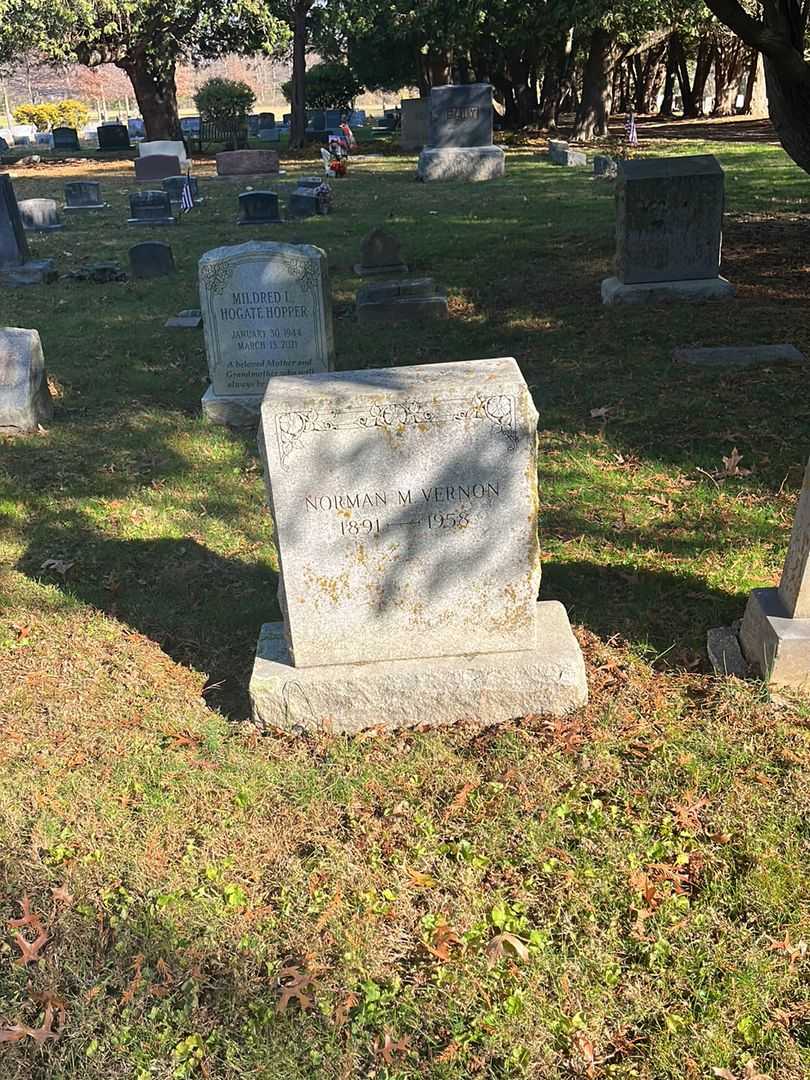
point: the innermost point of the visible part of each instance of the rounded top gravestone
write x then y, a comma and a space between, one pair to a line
151, 259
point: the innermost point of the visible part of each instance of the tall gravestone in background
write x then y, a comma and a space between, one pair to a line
25, 400
65, 138
405, 505
112, 137
266, 312
669, 221
16, 265
775, 632
413, 132
459, 143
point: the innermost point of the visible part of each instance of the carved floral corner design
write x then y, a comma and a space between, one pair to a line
291, 428
215, 275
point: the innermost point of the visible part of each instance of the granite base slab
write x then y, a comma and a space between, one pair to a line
190, 319
233, 411
83, 209
42, 228
469, 163
657, 292
403, 309
151, 221
740, 356
487, 688
379, 271
776, 645
33, 272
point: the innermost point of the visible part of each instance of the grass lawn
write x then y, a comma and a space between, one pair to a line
624, 894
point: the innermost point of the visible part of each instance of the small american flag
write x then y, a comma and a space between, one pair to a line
630, 129
186, 197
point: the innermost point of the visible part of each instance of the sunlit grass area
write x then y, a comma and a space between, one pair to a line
619, 895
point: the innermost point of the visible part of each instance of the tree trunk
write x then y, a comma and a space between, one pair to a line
298, 103
650, 78
727, 73
787, 74
156, 95
553, 85
668, 101
597, 81
756, 100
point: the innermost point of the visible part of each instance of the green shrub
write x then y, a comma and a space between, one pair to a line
43, 116
224, 99
72, 113
51, 114
327, 86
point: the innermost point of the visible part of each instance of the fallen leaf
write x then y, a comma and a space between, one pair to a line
59, 566
731, 466
501, 942
293, 984
135, 984
583, 1047
61, 895
687, 813
388, 1049
424, 881
449, 1052
600, 413
459, 800
443, 940
341, 1014
41, 1034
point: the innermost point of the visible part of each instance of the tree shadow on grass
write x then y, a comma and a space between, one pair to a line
203, 610
663, 614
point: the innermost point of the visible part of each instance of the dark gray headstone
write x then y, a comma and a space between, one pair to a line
65, 138
3, 145
190, 125
25, 400
83, 195
258, 208
266, 120
604, 165
174, 186
379, 254
394, 301
13, 245
460, 115
156, 167
669, 216
151, 259
39, 215
113, 137
304, 202
150, 208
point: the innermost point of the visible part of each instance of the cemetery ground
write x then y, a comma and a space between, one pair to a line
619, 894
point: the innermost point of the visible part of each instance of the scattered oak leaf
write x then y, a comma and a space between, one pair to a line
61, 895
41, 1034
459, 800
342, 1011
444, 938
389, 1049
501, 943
293, 984
585, 1052
59, 566
731, 465
135, 984
450, 1051
687, 813
424, 881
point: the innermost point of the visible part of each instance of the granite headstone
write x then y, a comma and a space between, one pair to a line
25, 400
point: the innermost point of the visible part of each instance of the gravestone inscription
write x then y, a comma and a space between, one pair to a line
266, 312
459, 139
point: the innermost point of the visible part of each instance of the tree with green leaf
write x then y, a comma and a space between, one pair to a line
144, 38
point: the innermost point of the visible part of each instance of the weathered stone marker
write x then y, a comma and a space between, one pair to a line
669, 217
165, 148
81, 195
266, 312
405, 505
459, 143
150, 208
413, 132
151, 259
775, 631
25, 400
560, 153
397, 301
258, 208
112, 137
379, 254
247, 162
65, 138
17, 268
156, 167
40, 215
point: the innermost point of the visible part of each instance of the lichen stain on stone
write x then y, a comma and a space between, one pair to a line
333, 589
